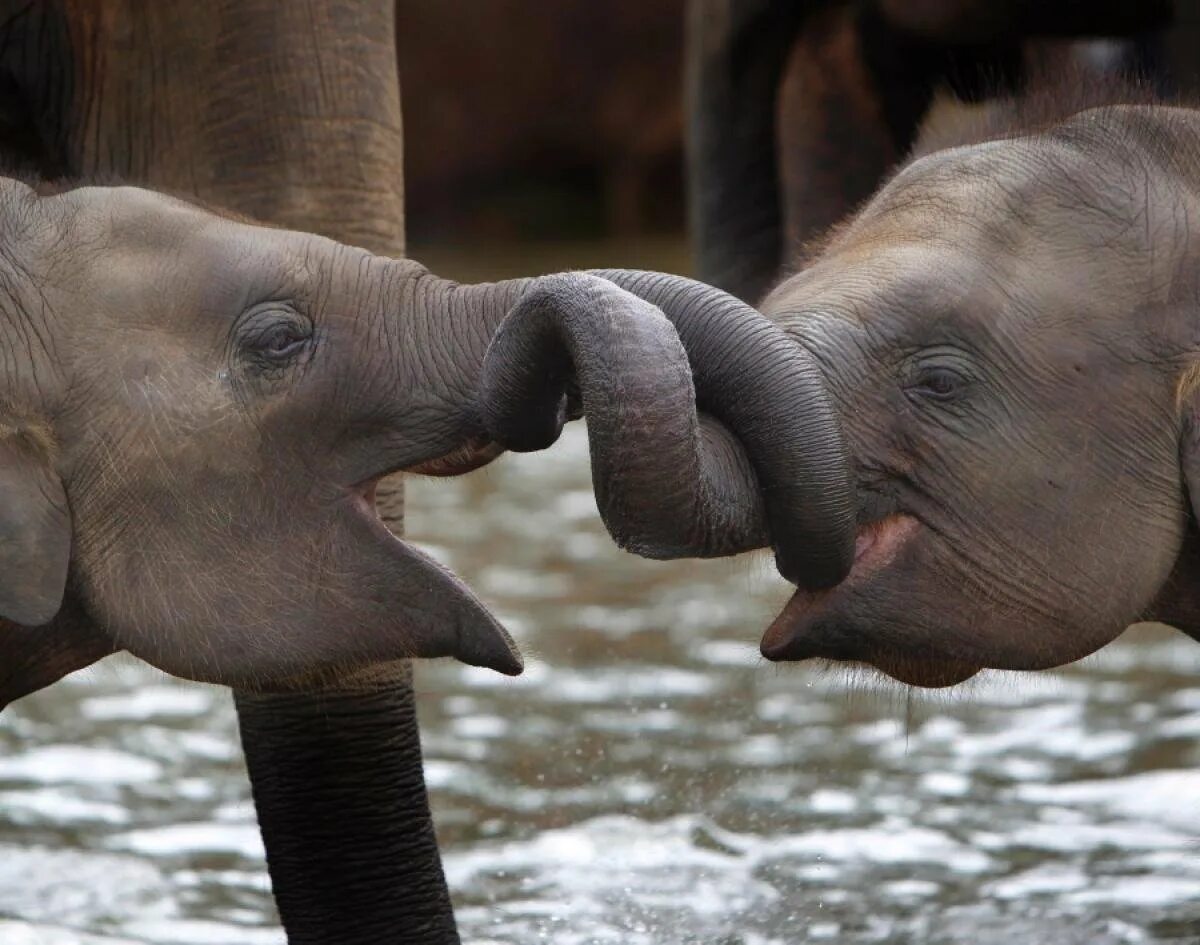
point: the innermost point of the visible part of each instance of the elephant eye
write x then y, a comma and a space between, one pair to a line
939, 381
282, 342
275, 339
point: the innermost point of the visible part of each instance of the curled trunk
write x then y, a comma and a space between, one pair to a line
711, 432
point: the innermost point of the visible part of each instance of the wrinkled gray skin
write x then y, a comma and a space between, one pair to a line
1012, 333
197, 411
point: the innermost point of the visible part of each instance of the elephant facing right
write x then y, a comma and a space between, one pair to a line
195, 412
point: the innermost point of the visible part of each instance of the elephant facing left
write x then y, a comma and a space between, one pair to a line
195, 411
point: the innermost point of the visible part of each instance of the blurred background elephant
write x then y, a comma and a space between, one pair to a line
798, 110
791, 114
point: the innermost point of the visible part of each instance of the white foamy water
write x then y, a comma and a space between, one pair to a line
650, 780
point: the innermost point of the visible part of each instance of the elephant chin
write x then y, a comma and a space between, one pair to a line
924, 672
345, 594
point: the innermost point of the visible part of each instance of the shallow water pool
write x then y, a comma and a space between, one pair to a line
650, 779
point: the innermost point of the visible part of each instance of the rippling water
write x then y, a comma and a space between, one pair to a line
650, 779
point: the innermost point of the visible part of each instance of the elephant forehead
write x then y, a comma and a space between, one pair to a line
1007, 197
901, 267
892, 287
129, 214
152, 225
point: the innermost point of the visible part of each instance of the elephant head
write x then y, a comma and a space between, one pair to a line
1009, 329
195, 412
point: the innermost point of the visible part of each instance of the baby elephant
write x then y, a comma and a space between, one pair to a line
195, 411
1011, 331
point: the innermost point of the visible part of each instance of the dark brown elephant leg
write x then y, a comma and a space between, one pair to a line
798, 109
344, 814
289, 112
736, 53
836, 137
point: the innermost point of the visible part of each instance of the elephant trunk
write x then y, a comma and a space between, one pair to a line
646, 351
756, 382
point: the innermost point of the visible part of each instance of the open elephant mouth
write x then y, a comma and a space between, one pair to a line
476, 453
820, 624
365, 494
424, 609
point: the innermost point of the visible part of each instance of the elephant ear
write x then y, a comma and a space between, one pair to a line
35, 532
1178, 601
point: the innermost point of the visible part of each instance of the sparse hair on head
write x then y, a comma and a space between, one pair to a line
1048, 98
1043, 109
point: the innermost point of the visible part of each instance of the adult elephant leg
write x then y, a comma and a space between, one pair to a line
735, 56
786, 130
837, 135
289, 112
344, 814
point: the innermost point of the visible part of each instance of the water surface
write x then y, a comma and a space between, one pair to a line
650, 779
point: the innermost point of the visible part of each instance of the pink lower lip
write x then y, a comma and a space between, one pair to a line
875, 546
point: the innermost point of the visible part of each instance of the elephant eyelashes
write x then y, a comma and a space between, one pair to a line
282, 344
275, 339
939, 382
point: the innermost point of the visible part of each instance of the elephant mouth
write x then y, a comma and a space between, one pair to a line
426, 611
365, 494
362, 504
475, 453
811, 625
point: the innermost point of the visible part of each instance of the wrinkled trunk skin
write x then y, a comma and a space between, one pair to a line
289, 112
743, 430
